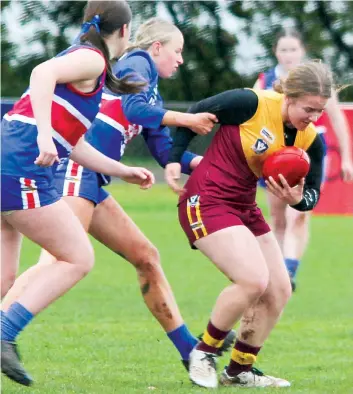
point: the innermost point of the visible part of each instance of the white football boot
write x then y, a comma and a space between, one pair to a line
202, 369
252, 378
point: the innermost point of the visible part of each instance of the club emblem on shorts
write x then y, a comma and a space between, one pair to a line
193, 200
267, 135
260, 146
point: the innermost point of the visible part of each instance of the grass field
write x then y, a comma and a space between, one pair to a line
101, 339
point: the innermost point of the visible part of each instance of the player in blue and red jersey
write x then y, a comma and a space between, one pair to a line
47, 124
157, 52
219, 215
290, 226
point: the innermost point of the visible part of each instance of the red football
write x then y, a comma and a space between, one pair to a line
293, 163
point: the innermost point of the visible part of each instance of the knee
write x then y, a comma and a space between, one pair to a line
299, 221
84, 262
254, 287
147, 261
278, 297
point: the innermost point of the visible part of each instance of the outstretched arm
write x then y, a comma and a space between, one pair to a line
81, 64
340, 128
160, 142
91, 158
140, 108
232, 107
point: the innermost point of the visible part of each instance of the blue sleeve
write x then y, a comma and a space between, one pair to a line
160, 143
137, 107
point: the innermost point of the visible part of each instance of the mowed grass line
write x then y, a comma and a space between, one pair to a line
100, 338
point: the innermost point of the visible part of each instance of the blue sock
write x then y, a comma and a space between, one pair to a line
14, 321
183, 340
292, 266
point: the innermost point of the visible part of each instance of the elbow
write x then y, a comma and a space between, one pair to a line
42, 74
36, 73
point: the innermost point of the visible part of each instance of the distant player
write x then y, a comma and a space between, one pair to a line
219, 215
157, 52
290, 226
47, 124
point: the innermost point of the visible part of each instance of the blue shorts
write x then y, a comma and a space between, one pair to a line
71, 179
261, 181
19, 193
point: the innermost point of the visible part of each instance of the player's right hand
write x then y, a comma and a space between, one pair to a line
48, 154
203, 123
172, 175
289, 195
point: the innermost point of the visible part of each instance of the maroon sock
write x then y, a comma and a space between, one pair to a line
212, 339
241, 362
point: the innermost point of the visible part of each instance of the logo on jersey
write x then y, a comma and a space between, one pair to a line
260, 146
193, 200
267, 135
153, 98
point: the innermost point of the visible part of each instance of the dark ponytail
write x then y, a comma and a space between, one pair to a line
101, 19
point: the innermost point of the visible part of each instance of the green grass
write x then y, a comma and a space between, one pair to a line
100, 338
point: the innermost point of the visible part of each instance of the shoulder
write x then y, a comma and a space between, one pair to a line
136, 59
268, 95
83, 48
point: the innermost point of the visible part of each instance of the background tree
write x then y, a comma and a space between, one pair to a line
210, 50
326, 27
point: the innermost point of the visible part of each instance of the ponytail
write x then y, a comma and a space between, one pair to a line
116, 85
102, 19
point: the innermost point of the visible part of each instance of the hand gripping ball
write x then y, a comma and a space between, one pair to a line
293, 163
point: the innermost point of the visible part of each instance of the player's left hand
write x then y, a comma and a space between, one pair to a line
172, 175
138, 176
289, 195
347, 170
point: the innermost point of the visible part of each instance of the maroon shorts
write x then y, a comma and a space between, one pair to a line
200, 216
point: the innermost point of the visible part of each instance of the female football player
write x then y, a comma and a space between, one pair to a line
219, 215
46, 124
290, 226
157, 52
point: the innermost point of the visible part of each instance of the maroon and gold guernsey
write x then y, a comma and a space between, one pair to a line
266, 129
233, 162
222, 189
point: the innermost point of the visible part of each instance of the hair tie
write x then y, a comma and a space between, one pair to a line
93, 22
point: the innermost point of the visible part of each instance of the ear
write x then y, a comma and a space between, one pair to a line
289, 100
156, 48
123, 31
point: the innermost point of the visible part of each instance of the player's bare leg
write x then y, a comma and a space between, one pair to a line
258, 321
296, 240
278, 217
83, 209
116, 230
236, 252
10, 256
74, 261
